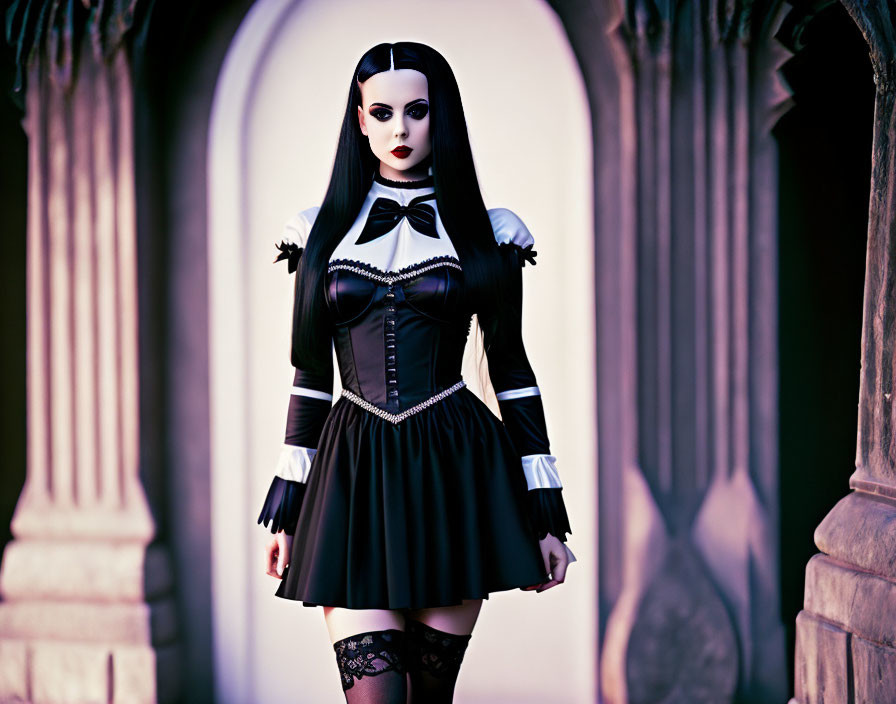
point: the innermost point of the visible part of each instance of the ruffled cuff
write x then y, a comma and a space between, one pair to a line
282, 505
522, 254
541, 472
291, 252
294, 462
548, 513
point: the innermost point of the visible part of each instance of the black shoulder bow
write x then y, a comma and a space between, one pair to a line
291, 252
523, 254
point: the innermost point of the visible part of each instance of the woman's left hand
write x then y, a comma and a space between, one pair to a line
556, 559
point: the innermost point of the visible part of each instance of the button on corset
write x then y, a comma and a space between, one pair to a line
389, 336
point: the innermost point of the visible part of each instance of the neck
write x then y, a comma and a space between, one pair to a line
422, 182
418, 173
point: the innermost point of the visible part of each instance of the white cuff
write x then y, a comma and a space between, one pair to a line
518, 393
303, 391
541, 473
294, 462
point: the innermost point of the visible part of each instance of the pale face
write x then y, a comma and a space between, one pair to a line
395, 117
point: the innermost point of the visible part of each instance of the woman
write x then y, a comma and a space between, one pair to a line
403, 505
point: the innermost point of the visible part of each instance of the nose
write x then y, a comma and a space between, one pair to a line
401, 129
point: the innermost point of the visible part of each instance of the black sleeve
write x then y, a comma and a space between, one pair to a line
310, 402
309, 405
519, 398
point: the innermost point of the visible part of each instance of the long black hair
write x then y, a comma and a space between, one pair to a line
459, 199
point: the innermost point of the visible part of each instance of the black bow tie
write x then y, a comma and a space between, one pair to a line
386, 213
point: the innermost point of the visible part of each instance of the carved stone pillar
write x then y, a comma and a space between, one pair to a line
696, 617
846, 633
86, 614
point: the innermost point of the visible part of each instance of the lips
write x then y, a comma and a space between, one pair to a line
402, 152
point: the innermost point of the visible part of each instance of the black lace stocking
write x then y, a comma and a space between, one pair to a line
433, 659
372, 666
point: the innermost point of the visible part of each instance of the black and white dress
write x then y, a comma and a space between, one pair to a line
408, 492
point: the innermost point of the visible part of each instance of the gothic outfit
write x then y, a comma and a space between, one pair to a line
408, 492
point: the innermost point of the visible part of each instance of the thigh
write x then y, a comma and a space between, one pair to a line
451, 619
342, 623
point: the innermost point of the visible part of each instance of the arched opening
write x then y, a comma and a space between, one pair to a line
273, 129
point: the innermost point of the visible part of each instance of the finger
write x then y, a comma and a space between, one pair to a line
546, 558
559, 573
273, 552
547, 585
283, 553
268, 557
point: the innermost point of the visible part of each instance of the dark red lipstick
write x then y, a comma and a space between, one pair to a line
402, 152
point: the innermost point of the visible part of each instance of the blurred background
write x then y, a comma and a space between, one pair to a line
696, 179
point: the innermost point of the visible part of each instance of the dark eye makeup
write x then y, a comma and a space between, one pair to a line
417, 111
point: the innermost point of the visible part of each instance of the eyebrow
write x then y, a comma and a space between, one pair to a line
413, 102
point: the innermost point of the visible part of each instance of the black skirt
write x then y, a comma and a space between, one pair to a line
423, 513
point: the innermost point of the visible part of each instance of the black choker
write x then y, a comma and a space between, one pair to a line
423, 183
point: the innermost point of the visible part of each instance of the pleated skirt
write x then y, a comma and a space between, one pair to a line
423, 513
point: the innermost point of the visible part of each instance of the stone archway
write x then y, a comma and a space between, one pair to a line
641, 481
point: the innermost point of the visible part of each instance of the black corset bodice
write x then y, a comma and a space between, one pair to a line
399, 336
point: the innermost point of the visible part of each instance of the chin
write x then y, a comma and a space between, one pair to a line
402, 164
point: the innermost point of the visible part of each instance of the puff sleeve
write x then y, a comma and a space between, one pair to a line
310, 401
516, 388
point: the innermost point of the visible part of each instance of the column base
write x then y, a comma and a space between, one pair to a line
56, 672
87, 621
846, 634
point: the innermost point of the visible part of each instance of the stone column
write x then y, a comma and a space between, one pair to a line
846, 633
696, 617
86, 612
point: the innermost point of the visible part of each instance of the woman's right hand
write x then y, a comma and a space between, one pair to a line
277, 553
557, 557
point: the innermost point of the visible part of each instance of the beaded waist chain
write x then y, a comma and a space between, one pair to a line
398, 417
